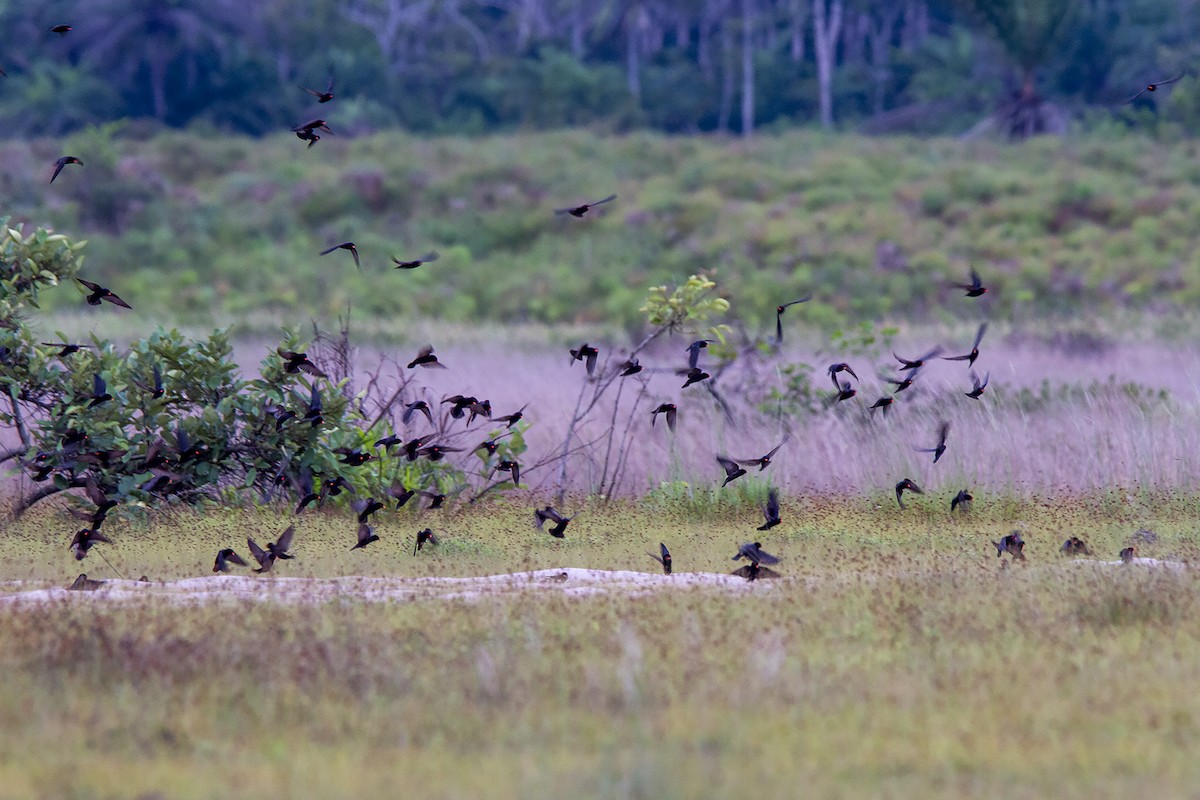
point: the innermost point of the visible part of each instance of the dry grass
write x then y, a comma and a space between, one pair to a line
897, 659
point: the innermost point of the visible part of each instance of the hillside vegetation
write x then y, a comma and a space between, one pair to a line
193, 226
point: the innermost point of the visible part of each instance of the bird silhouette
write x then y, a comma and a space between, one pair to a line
490, 445
84, 540
665, 408
588, 355
770, 511
514, 418
425, 259
940, 449
884, 403
426, 358
62, 162
974, 354
424, 536
298, 362
345, 246
313, 415
693, 351
85, 584
753, 552
664, 558
630, 367
322, 97
973, 289
694, 375
279, 549
762, 462
156, 389
755, 571
840, 366
917, 363
366, 535
978, 387
61, 30
1128, 554
100, 393
436, 452
962, 501
511, 467
1153, 87
414, 407
66, 348
1012, 544
906, 485
401, 494
845, 392
580, 210
436, 499
542, 515
225, 558
1075, 546
99, 293
779, 316
365, 508
732, 470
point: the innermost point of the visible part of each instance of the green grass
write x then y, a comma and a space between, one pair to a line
897, 659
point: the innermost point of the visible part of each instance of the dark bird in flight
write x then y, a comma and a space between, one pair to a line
541, 515
308, 495
1128, 554
66, 348
156, 389
665, 408
436, 452
732, 470
279, 549
415, 406
313, 415
85, 584
99, 293
426, 358
770, 511
312, 137
978, 388
322, 97
298, 362
753, 552
754, 571
974, 354
425, 259
917, 363
401, 494
834, 369
366, 535
103, 502
511, 467
903, 486
412, 447
225, 558
693, 351
845, 392
664, 558
884, 402
779, 316
580, 210
62, 162
940, 449
365, 508
265, 559
490, 445
587, 354
312, 125
100, 393
962, 501
973, 289
1153, 87
423, 537
435, 499
514, 418
694, 375
630, 367
1012, 544
85, 540
345, 246
1075, 547
763, 461
353, 458
61, 30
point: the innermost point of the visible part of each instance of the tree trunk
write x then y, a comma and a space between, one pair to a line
799, 13
827, 23
633, 66
725, 110
882, 31
747, 67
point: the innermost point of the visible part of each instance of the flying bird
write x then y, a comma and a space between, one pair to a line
940, 449
225, 558
917, 363
664, 558
322, 97
511, 467
732, 470
764, 461
978, 387
66, 348
61, 30
580, 210
779, 316
85, 540
436, 499
588, 354
279, 549
298, 362
840, 366
665, 408
490, 445
541, 515
754, 571
62, 162
753, 552
630, 367
313, 415
973, 289
845, 392
1153, 87
903, 486
770, 511
426, 358
884, 402
100, 393
514, 418
423, 537
401, 494
425, 259
366, 535
1012, 544
693, 351
416, 406
694, 375
974, 354
156, 389
345, 246
99, 293
365, 508
962, 501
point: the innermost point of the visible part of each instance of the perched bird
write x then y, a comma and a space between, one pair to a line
62, 162
693, 351
366, 535
694, 375
298, 362
85, 540
665, 408
1012, 544
630, 367
588, 355
903, 486
1075, 547
66, 348
978, 387
973, 289
541, 515
840, 366
401, 494
763, 462
580, 210
753, 552
1128, 554
664, 558
940, 449
779, 316
511, 467
61, 30
345, 246
432, 255
85, 584
770, 511
225, 558
917, 363
322, 97
426, 358
1153, 87
416, 406
514, 418
365, 508
100, 393
884, 403
99, 293
732, 470
423, 537
974, 354
754, 571
961, 501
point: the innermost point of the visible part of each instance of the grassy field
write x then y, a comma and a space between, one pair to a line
897, 658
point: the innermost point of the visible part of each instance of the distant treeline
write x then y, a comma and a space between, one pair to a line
918, 66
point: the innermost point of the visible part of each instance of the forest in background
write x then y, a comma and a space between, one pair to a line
474, 66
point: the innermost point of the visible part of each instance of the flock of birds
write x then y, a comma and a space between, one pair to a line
758, 561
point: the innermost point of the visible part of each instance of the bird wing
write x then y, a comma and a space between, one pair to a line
285, 539
256, 552
979, 335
